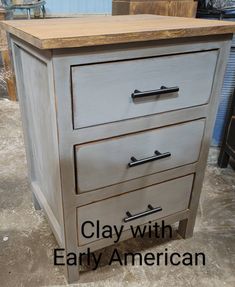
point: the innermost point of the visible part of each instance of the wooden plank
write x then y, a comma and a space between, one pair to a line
6, 59
102, 30
179, 8
2, 14
167, 8
120, 8
3, 35
11, 87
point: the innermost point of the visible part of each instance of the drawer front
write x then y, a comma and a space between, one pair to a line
106, 162
102, 93
165, 198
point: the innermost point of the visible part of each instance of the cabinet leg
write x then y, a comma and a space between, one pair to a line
72, 274
186, 227
223, 159
71, 242
35, 202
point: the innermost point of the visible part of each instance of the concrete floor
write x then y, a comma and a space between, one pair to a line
26, 241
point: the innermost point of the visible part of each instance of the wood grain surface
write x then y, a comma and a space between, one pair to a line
179, 8
166, 8
6, 59
102, 30
3, 36
11, 86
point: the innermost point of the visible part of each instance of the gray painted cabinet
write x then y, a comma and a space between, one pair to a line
114, 128
114, 82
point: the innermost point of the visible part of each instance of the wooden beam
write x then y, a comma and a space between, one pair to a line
11, 87
5, 54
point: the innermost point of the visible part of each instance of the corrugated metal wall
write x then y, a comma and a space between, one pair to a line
225, 98
78, 7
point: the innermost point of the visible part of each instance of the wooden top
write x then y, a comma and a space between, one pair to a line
102, 30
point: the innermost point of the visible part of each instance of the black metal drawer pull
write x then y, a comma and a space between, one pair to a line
157, 156
163, 90
150, 210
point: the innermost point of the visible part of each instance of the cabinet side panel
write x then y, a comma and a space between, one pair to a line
38, 116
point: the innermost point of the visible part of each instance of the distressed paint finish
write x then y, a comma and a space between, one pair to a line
117, 87
107, 161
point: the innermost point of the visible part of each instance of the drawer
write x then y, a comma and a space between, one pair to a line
111, 161
165, 198
102, 93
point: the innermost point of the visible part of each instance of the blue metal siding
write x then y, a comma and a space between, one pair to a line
79, 6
